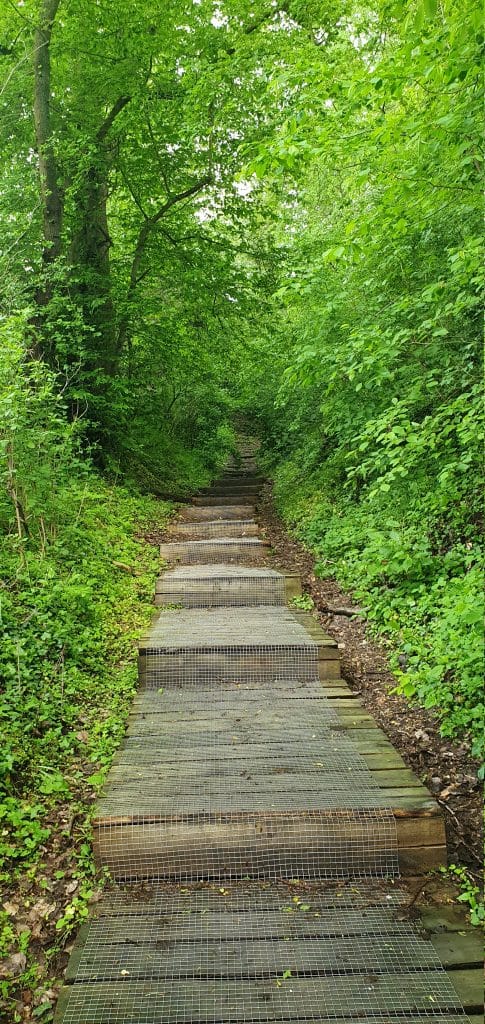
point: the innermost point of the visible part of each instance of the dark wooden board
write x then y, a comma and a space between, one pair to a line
161, 950
296, 999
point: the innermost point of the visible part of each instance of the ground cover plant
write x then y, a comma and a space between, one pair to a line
76, 593
269, 209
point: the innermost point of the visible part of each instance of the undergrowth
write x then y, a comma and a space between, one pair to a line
423, 598
76, 593
71, 616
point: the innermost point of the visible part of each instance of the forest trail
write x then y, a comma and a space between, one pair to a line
256, 822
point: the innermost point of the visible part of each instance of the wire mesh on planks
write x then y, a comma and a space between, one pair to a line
201, 513
242, 780
246, 953
192, 646
221, 586
244, 550
214, 528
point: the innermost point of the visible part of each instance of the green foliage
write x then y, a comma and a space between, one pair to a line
76, 592
303, 601
371, 407
426, 600
271, 208
469, 892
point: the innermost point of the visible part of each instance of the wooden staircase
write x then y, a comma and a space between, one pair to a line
256, 820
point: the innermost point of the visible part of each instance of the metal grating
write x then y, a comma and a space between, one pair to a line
192, 647
241, 781
189, 848
200, 513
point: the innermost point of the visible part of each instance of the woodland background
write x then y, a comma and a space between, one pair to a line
267, 209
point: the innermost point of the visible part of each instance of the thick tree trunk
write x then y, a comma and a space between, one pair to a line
90, 256
90, 251
49, 185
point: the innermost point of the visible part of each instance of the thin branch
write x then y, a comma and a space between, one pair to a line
21, 13
143, 236
132, 192
157, 154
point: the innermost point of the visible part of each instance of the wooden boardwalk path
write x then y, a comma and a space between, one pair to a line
256, 821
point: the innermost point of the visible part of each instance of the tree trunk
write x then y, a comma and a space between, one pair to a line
90, 251
49, 185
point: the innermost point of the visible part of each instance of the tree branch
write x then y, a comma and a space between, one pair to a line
103, 130
143, 236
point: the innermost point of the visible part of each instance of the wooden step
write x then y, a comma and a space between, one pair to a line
193, 513
231, 845
230, 488
220, 589
236, 498
242, 551
155, 665
259, 936
237, 479
214, 528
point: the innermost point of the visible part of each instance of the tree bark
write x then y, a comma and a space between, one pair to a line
91, 244
49, 184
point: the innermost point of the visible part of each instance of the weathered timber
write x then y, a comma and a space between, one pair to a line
243, 550
157, 666
214, 528
237, 498
237, 767
229, 586
204, 1000
229, 488
194, 513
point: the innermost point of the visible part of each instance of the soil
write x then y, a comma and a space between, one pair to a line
446, 768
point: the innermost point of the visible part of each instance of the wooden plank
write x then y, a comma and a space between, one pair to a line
194, 513
293, 586
467, 952
202, 531
251, 796
235, 548
227, 499
181, 774
273, 807
213, 666
203, 847
256, 1000
140, 956
469, 987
